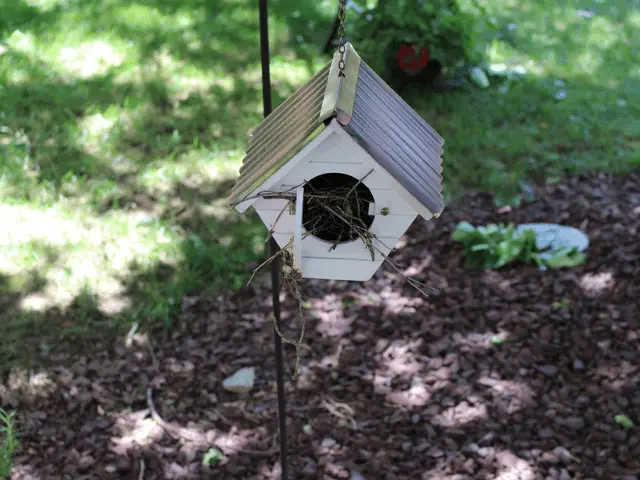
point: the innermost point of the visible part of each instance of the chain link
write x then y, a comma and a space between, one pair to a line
341, 33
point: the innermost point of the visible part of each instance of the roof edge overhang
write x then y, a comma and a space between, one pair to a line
278, 170
340, 94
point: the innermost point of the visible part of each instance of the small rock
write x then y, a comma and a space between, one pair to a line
310, 466
328, 442
619, 435
575, 423
241, 381
564, 475
546, 433
488, 438
563, 454
471, 448
484, 451
415, 418
357, 476
549, 370
435, 452
469, 466
549, 457
578, 365
360, 337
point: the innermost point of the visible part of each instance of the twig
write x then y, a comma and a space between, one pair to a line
334, 408
266, 193
269, 260
359, 182
141, 474
273, 227
154, 360
414, 283
265, 453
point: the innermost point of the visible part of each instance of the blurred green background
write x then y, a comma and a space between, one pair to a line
123, 124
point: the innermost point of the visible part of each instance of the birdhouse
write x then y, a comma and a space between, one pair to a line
340, 170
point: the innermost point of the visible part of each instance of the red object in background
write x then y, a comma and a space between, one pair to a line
412, 61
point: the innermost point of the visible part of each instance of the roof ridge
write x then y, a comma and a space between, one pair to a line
340, 94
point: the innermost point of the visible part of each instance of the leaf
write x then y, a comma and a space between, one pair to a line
565, 257
495, 340
462, 231
480, 246
213, 455
624, 421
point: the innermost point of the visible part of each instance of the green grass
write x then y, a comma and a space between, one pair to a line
523, 129
8, 442
122, 125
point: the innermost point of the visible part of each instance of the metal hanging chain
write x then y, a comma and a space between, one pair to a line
341, 48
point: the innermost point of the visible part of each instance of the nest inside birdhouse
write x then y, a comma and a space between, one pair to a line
336, 209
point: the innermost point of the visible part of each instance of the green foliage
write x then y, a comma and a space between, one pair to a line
9, 442
212, 456
494, 246
624, 421
444, 26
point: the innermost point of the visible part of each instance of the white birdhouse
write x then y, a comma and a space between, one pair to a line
339, 171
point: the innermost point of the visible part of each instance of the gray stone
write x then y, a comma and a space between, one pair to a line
241, 381
546, 433
328, 442
619, 435
549, 370
575, 423
563, 454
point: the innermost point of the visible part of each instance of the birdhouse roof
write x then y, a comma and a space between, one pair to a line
390, 131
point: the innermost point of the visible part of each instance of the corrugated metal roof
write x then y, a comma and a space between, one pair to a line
276, 140
391, 132
398, 139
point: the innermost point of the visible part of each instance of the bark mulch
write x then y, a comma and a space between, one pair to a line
508, 374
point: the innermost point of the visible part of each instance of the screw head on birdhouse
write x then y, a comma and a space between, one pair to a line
340, 170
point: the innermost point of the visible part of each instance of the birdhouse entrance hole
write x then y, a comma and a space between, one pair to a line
336, 208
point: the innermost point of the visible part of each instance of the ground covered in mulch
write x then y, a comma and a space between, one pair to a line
392, 385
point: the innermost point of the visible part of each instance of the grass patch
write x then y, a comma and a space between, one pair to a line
576, 108
8, 442
122, 125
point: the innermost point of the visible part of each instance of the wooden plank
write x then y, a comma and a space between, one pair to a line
389, 226
382, 198
332, 151
314, 247
332, 269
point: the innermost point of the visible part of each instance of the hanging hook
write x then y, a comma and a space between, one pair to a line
341, 34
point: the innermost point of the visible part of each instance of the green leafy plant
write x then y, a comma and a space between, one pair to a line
211, 456
447, 27
623, 421
494, 246
496, 340
9, 442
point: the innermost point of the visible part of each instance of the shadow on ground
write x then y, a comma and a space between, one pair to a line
509, 373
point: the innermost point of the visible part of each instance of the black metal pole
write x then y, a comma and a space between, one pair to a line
273, 249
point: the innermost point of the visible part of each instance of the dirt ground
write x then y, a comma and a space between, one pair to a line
392, 385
